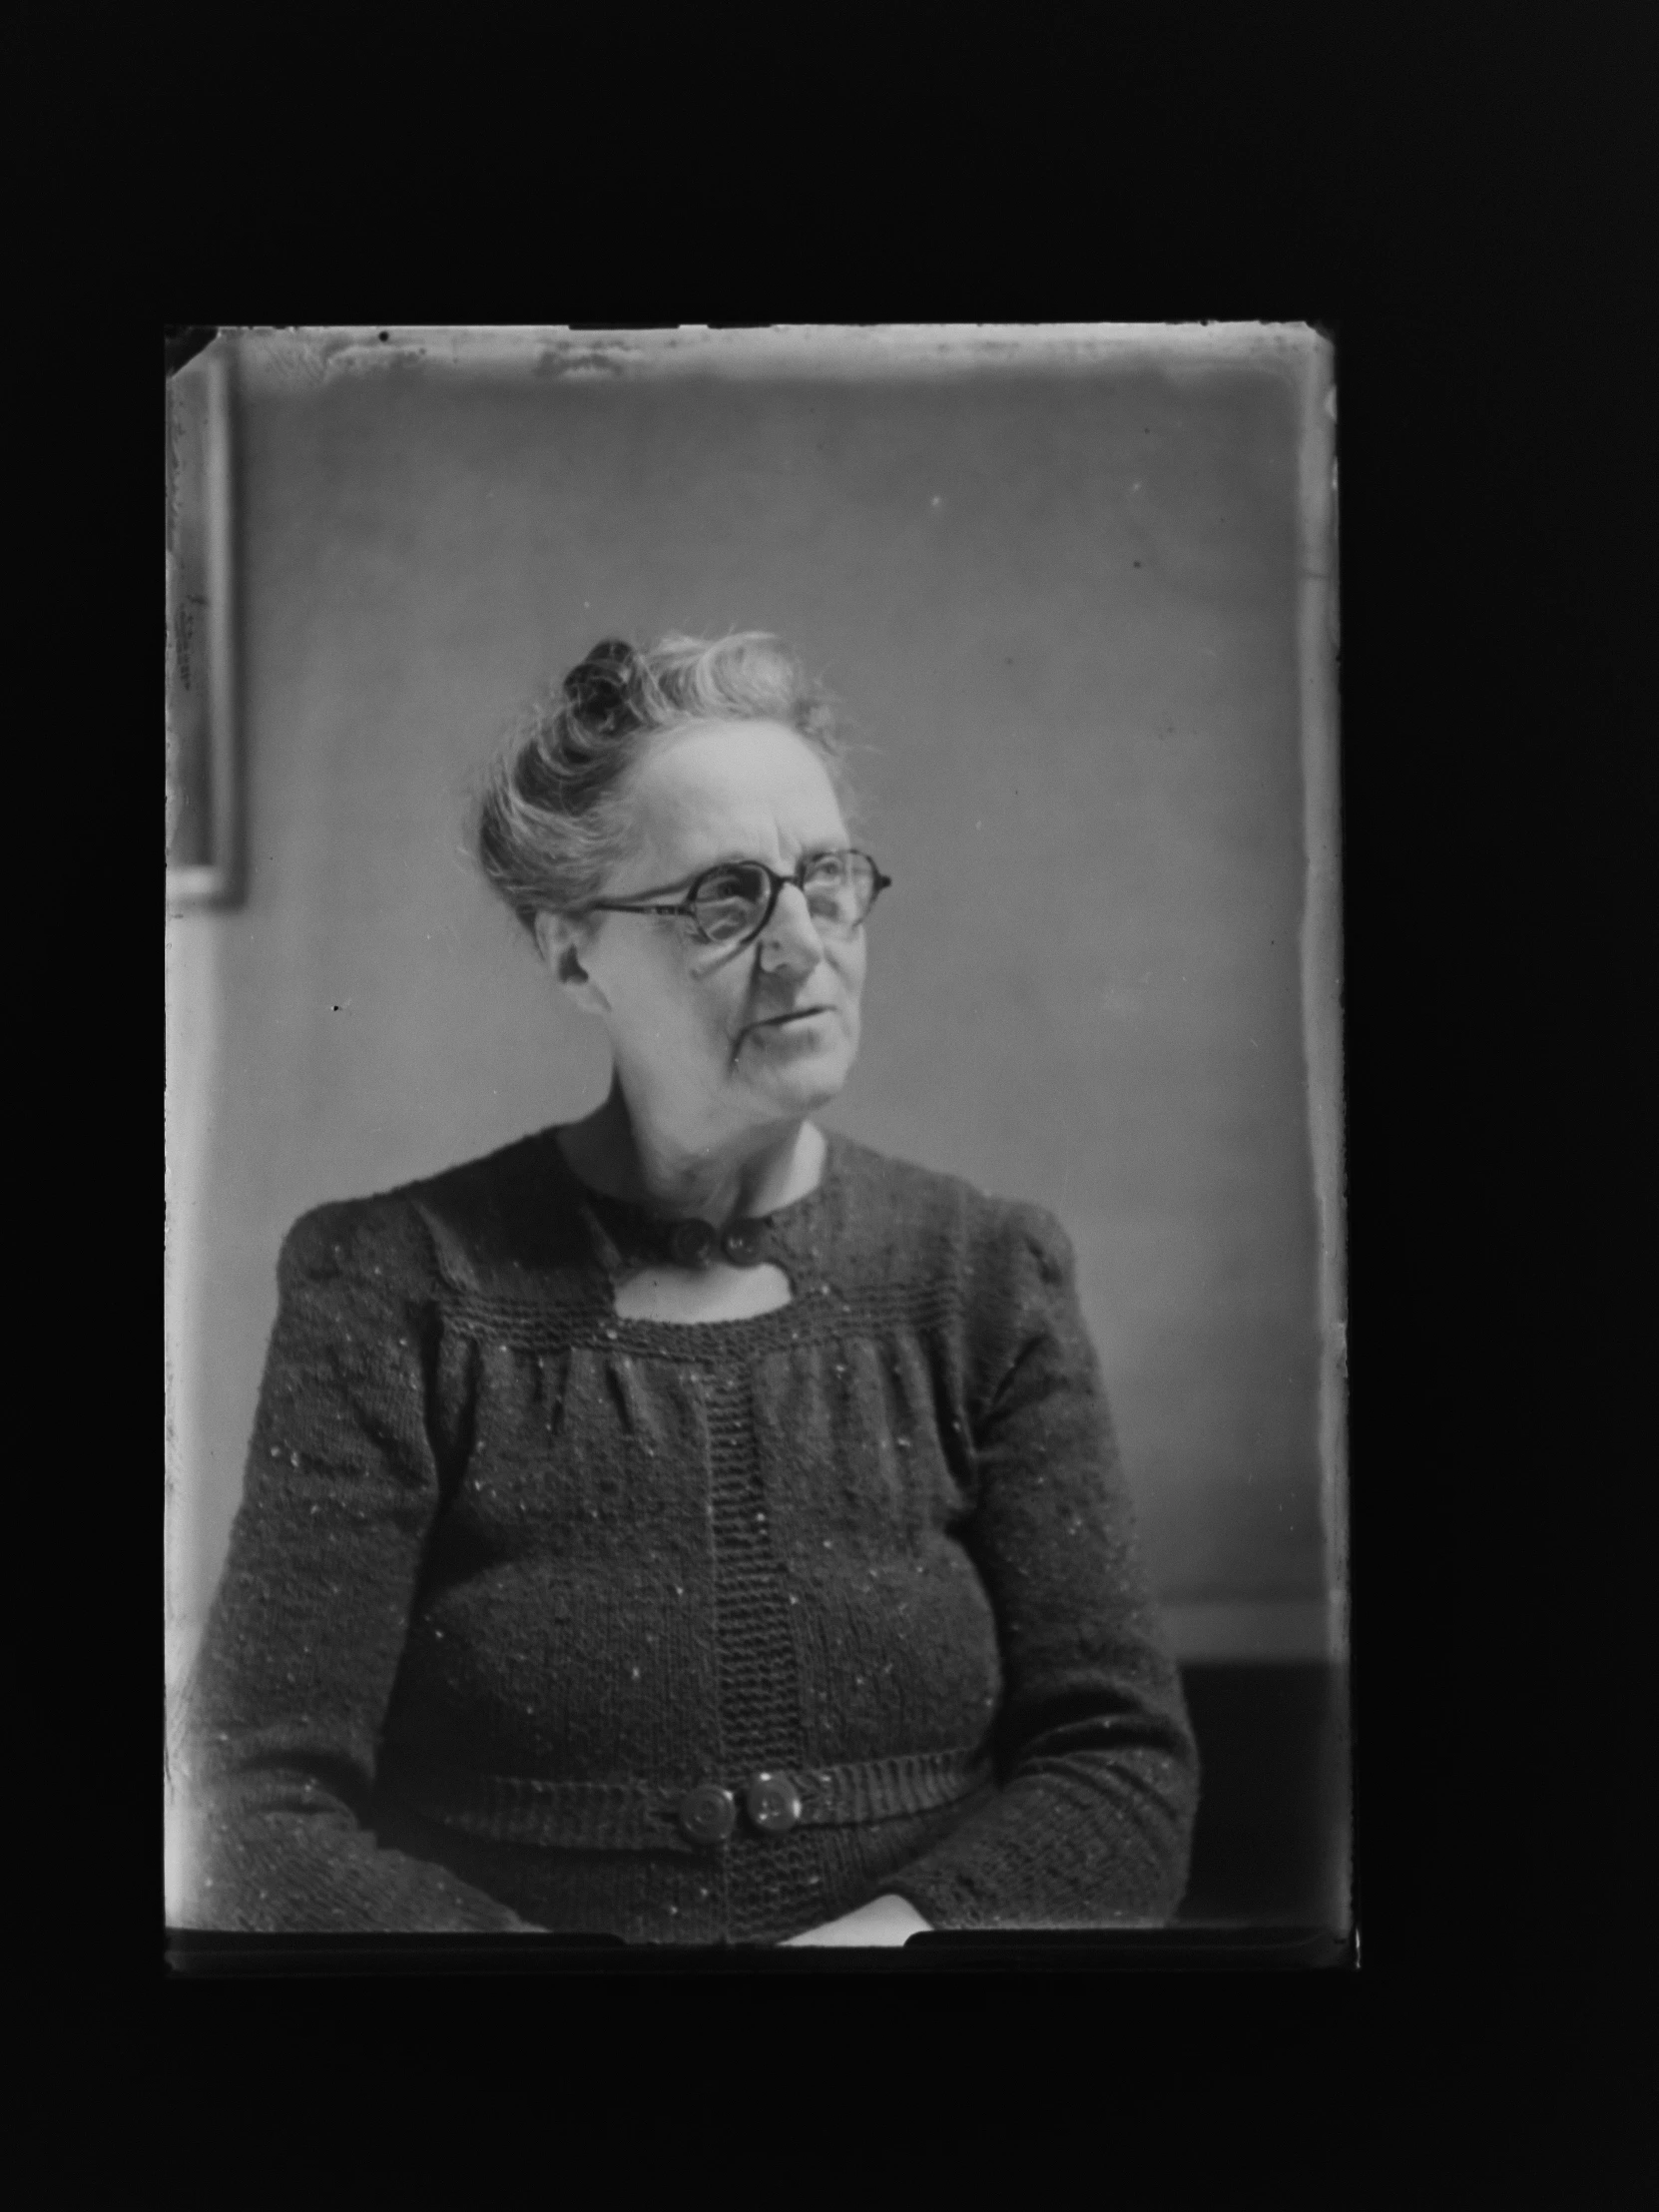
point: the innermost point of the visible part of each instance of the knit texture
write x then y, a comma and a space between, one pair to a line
495, 1537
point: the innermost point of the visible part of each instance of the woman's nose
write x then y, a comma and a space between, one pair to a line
789, 943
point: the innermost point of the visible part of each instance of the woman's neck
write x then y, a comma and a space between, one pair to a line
619, 1154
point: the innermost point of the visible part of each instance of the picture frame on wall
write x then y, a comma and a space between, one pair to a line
203, 778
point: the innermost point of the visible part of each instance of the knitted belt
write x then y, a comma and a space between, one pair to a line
629, 1816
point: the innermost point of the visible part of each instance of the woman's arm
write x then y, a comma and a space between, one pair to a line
1093, 1821
308, 1628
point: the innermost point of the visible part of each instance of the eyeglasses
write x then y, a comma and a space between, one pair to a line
732, 903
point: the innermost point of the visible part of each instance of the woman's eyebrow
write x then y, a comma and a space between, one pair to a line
735, 857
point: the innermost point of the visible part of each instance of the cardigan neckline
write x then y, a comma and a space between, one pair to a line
788, 1236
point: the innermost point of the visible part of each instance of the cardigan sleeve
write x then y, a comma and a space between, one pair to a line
1096, 1763
307, 1627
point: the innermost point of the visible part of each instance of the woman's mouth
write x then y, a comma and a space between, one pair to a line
792, 1019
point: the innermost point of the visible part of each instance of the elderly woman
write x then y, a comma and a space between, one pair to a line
683, 1523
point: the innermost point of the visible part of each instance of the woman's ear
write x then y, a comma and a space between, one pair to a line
562, 942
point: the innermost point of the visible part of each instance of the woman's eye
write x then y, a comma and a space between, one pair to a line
727, 883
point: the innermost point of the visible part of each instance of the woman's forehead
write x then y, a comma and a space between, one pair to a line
718, 790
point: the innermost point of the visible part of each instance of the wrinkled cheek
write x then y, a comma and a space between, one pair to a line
703, 965
698, 1009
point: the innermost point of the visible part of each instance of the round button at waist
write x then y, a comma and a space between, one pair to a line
707, 1814
691, 1243
743, 1242
773, 1803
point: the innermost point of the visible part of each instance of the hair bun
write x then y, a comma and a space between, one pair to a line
599, 689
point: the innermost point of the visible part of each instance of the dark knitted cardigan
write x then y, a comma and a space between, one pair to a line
511, 1573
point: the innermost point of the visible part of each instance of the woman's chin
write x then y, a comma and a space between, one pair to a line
803, 1083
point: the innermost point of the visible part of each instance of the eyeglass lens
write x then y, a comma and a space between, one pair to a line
729, 902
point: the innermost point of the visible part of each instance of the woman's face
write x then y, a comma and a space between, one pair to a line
721, 1037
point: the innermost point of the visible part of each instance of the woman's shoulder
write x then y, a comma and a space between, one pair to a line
499, 1200
922, 1208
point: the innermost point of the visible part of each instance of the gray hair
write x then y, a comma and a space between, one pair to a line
553, 816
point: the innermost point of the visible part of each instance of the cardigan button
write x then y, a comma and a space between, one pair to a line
707, 1814
773, 1803
691, 1243
742, 1244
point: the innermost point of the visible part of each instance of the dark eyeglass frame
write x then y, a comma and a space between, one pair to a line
686, 908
